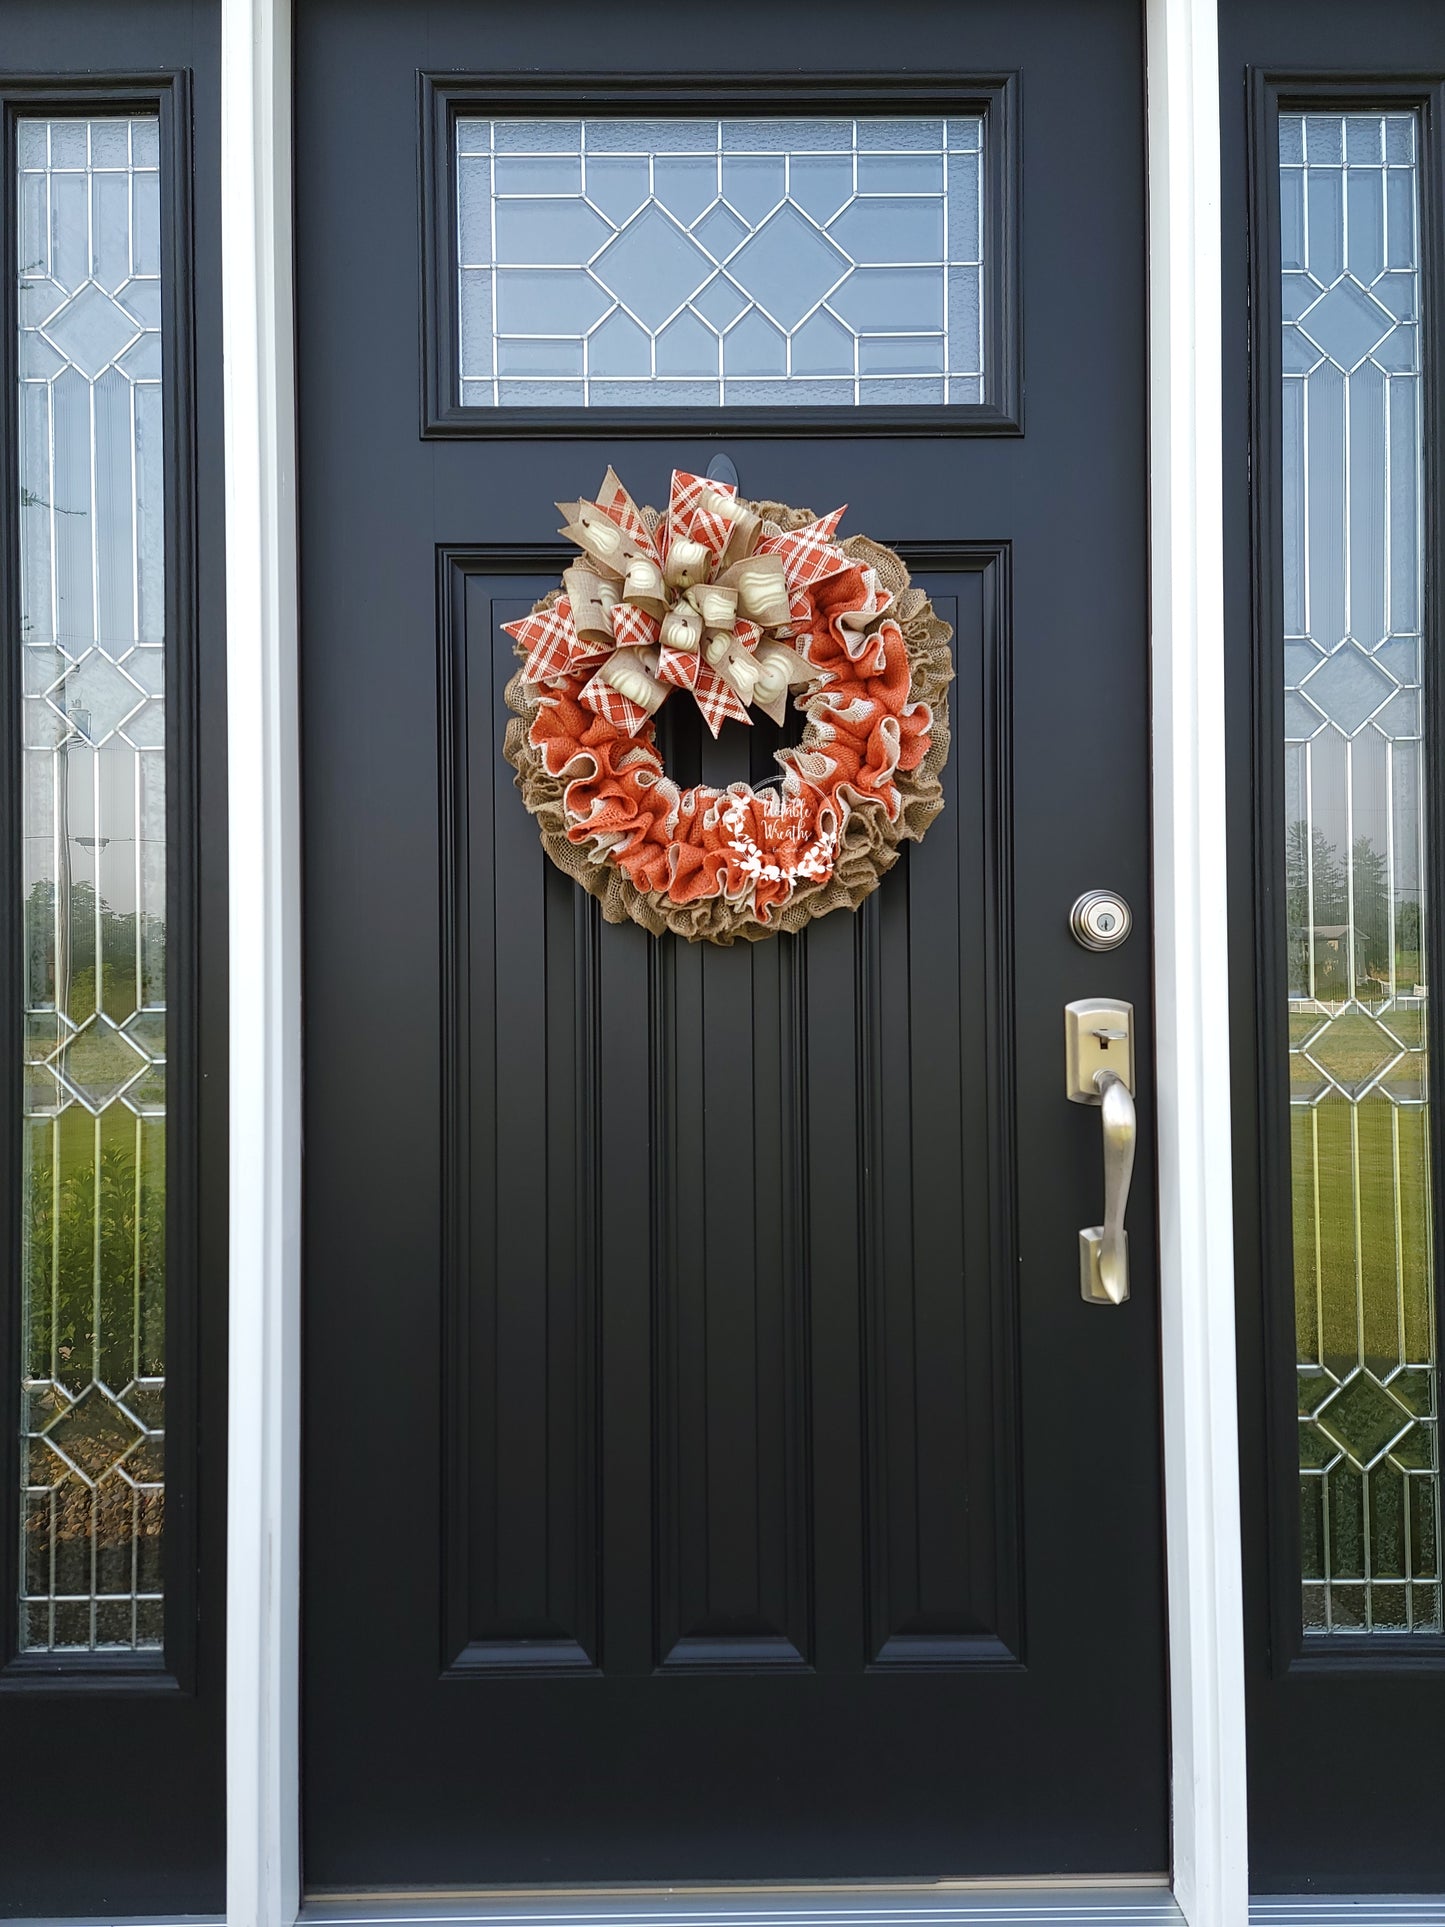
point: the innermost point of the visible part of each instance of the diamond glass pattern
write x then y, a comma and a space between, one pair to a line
1363, 1419
96, 1065
1347, 688
95, 697
93, 833
592, 258
91, 330
652, 267
94, 1435
1357, 916
789, 266
1347, 323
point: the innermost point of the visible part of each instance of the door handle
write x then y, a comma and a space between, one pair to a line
1099, 1070
1104, 1248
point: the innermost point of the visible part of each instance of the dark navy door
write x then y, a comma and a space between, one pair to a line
713, 1470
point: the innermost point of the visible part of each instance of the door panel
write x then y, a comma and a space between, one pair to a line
761, 1499
758, 1092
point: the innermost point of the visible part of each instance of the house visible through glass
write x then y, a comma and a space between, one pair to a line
629, 263
93, 830
1357, 909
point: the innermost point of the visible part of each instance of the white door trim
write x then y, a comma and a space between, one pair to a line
1196, 1207
263, 1582
1201, 1473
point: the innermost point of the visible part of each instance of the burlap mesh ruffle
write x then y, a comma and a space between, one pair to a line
870, 843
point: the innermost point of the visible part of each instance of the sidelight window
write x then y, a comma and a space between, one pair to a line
93, 836
715, 262
1356, 871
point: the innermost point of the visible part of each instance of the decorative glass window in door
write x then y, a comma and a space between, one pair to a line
1356, 870
637, 263
93, 836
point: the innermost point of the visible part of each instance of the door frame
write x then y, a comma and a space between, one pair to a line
1209, 1848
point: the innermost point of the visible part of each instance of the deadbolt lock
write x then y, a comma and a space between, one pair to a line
1101, 920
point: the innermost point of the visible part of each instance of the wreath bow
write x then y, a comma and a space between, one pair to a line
704, 599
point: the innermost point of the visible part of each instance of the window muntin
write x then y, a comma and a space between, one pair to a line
690, 262
93, 830
1356, 873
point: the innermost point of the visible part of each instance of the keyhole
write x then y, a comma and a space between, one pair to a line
1106, 923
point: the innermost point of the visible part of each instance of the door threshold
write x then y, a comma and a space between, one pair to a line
1136, 1900
990, 1884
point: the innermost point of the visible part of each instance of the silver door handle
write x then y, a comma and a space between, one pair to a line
1104, 1248
1099, 1070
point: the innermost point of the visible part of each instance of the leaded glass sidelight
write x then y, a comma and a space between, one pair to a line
1357, 912
629, 263
93, 828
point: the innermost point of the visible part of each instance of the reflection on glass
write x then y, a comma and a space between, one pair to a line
93, 827
1356, 908
758, 262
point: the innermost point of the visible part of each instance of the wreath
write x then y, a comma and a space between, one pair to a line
739, 605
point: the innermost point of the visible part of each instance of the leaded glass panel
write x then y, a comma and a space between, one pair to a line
751, 262
1357, 913
93, 829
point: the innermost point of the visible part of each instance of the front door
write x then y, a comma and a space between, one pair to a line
714, 1471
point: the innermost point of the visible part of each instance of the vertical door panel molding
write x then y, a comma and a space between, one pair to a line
943, 1550
521, 1075
730, 1287
1292, 1649
1196, 1205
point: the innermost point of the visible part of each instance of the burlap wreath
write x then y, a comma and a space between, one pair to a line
713, 864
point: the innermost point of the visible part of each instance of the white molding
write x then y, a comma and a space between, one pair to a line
1201, 1451
263, 1550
